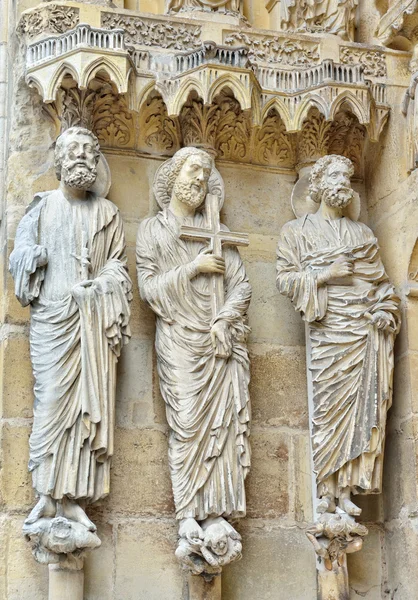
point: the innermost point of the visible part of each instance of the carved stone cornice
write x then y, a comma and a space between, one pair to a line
393, 20
50, 19
150, 32
270, 75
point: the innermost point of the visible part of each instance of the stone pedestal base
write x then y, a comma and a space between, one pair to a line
65, 584
334, 584
199, 589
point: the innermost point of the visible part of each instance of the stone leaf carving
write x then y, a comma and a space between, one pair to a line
146, 32
329, 266
334, 535
98, 108
69, 265
275, 49
344, 135
113, 122
272, 145
224, 127
323, 16
373, 61
201, 347
48, 19
157, 130
60, 541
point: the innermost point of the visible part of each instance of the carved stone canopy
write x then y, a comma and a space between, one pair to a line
168, 56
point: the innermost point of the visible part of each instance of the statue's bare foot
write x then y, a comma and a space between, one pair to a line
326, 504
45, 507
72, 511
190, 529
349, 507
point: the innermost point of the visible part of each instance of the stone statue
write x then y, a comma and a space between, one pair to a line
330, 268
201, 299
233, 6
69, 264
319, 16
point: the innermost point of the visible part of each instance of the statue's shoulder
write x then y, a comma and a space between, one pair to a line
294, 225
38, 201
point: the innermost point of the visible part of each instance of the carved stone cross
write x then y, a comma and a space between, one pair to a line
217, 238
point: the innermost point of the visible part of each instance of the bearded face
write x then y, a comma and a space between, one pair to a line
79, 165
339, 197
191, 185
336, 188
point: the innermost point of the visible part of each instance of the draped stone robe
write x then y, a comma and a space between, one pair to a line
334, 16
176, 5
74, 347
207, 400
351, 361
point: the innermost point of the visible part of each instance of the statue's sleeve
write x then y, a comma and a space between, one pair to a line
114, 288
237, 290
296, 282
164, 291
27, 262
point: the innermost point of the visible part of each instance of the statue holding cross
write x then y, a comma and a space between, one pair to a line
192, 276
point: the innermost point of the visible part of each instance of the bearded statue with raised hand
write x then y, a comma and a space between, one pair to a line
69, 265
329, 265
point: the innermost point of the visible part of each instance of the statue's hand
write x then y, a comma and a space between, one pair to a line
341, 268
206, 262
221, 339
41, 255
82, 290
382, 320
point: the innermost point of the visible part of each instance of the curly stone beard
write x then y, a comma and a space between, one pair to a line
337, 197
192, 193
79, 176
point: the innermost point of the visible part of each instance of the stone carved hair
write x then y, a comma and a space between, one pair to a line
178, 161
316, 183
60, 145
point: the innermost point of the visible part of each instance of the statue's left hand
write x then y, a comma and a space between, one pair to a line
382, 320
221, 339
82, 290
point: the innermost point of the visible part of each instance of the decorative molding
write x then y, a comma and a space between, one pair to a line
372, 61
275, 49
149, 32
273, 146
51, 18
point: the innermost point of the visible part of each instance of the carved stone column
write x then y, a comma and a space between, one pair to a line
200, 589
65, 584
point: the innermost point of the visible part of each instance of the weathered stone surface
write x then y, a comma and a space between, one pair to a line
25, 578
283, 554
140, 478
301, 479
247, 191
146, 568
134, 395
99, 580
16, 487
273, 320
278, 386
365, 575
268, 485
17, 377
